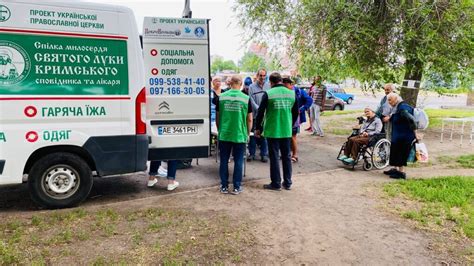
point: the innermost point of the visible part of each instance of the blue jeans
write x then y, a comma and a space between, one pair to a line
253, 146
154, 165
275, 147
238, 150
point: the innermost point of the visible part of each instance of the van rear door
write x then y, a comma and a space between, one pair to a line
176, 55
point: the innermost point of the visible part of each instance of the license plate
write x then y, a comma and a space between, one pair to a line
177, 130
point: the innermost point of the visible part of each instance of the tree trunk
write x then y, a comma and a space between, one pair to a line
413, 71
470, 98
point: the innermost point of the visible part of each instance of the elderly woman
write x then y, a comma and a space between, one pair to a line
403, 134
371, 126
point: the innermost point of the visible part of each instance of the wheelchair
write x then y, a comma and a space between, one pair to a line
375, 154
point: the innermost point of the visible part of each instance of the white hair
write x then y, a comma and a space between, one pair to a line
391, 86
394, 95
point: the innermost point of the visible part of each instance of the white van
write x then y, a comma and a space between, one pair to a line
72, 97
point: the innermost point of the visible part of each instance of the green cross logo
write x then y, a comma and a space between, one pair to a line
4, 13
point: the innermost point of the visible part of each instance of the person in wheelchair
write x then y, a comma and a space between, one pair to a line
370, 127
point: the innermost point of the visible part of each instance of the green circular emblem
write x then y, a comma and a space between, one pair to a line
5, 13
15, 63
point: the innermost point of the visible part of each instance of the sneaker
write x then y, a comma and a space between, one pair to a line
151, 183
237, 191
391, 171
173, 186
162, 172
224, 190
271, 187
349, 160
314, 134
309, 129
342, 157
264, 159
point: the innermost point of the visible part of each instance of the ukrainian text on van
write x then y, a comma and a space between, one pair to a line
72, 98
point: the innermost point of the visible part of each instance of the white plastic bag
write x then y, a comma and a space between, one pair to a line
421, 152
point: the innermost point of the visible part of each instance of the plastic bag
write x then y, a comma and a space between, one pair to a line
421, 152
412, 155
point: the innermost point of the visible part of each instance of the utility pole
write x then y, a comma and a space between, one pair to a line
187, 13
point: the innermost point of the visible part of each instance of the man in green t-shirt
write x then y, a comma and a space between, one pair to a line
234, 120
276, 116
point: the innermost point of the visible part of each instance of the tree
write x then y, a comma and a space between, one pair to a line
219, 64
251, 62
371, 40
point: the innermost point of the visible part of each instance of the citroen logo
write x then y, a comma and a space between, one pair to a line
164, 105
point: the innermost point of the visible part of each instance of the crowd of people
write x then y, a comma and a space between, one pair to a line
266, 112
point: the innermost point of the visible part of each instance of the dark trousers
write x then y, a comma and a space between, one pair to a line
238, 150
262, 142
275, 146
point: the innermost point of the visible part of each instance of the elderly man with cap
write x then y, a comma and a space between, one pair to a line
371, 126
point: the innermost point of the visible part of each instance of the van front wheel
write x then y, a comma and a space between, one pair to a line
60, 180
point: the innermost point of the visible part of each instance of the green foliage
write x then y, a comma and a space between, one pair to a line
219, 64
251, 62
449, 198
369, 40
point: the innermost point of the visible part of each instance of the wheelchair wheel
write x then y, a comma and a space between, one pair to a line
367, 165
381, 154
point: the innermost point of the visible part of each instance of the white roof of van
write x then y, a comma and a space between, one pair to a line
75, 4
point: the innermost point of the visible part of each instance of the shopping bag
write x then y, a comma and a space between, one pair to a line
421, 152
412, 155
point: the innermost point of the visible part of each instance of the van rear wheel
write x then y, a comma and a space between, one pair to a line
60, 180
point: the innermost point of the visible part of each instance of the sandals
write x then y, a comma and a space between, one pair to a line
294, 159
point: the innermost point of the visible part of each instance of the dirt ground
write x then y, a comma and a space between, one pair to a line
330, 217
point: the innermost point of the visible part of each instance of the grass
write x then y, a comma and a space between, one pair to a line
452, 91
109, 236
340, 131
464, 161
443, 200
343, 112
436, 115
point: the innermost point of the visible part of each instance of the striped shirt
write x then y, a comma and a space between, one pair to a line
319, 94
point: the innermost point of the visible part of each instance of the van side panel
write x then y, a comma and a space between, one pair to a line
69, 85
